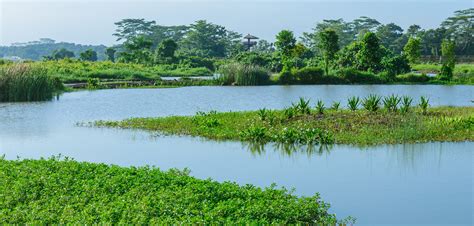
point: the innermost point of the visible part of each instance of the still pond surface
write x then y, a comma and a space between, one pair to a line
428, 183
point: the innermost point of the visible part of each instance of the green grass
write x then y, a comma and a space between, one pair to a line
22, 82
72, 71
56, 191
359, 127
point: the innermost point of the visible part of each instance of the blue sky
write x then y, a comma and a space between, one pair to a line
91, 22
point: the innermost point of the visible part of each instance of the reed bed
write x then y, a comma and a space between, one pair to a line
243, 75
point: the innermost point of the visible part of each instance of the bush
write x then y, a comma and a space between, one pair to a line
354, 76
308, 75
286, 78
412, 77
243, 75
22, 82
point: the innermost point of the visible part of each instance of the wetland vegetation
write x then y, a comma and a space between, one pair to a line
62, 191
365, 121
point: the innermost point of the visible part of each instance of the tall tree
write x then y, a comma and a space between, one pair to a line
209, 40
137, 50
369, 56
412, 50
329, 47
165, 53
110, 52
460, 28
388, 35
62, 54
133, 28
285, 43
88, 55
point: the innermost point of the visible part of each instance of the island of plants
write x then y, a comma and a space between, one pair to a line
365, 121
62, 191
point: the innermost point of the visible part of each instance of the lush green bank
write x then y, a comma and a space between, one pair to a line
320, 125
27, 83
57, 191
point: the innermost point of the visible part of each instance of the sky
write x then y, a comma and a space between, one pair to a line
92, 21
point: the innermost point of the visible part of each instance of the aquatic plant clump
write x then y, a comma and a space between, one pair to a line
64, 191
22, 82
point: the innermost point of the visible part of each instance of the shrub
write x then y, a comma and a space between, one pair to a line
354, 76
320, 107
22, 82
414, 78
286, 78
308, 75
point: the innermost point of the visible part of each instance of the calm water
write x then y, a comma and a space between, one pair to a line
398, 184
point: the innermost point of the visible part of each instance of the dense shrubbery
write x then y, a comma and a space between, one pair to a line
68, 192
243, 74
21, 82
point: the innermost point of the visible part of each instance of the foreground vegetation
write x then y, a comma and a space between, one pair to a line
58, 191
387, 120
27, 83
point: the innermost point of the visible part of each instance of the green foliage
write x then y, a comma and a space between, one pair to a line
320, 107
137, 50
263, 114
290, 112
394, 66
449, 59
406, 104
243, 75
285, 43
354, 76
342, 127
110, 53
165, 53
60, 54
302, 106
308, 75
22, 82
371, 103
353, 103
328, 45
335, 106
369, 57
93, 83
424, 104
64, 191
391, 103
412, 50
88, 55
255, 58
413, 78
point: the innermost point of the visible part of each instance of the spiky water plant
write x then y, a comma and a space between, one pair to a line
353, 103
406, 103
391, 103
263, 113
371, 103
302, 106
320, 107
335, 105
424, 104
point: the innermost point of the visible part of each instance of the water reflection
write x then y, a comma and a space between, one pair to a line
259, 149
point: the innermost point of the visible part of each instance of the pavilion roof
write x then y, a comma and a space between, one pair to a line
249, 36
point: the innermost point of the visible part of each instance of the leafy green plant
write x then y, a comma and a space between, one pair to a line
64, 191
336, 105
263, 114
289, 112
406, 104
424, 104
353, 103
320, 107
391, 103
302, 106
371, 103
93, 83
243, 74
255, 134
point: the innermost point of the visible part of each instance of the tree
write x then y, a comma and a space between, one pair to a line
62, 53
460, 28
369, 56
388, 35
137, 50
362, 25
263, 46
395, 65
110, 52
412, 50
88, 55
285, 43
414, 30
209, 40
132, 28
448, 59
329, 47
165, 53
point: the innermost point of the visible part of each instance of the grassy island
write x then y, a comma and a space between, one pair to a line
56, 191
365, 122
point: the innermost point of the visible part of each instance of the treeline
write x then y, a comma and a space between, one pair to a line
35, 50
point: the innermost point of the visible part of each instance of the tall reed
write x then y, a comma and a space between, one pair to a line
243, 75
21, 82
